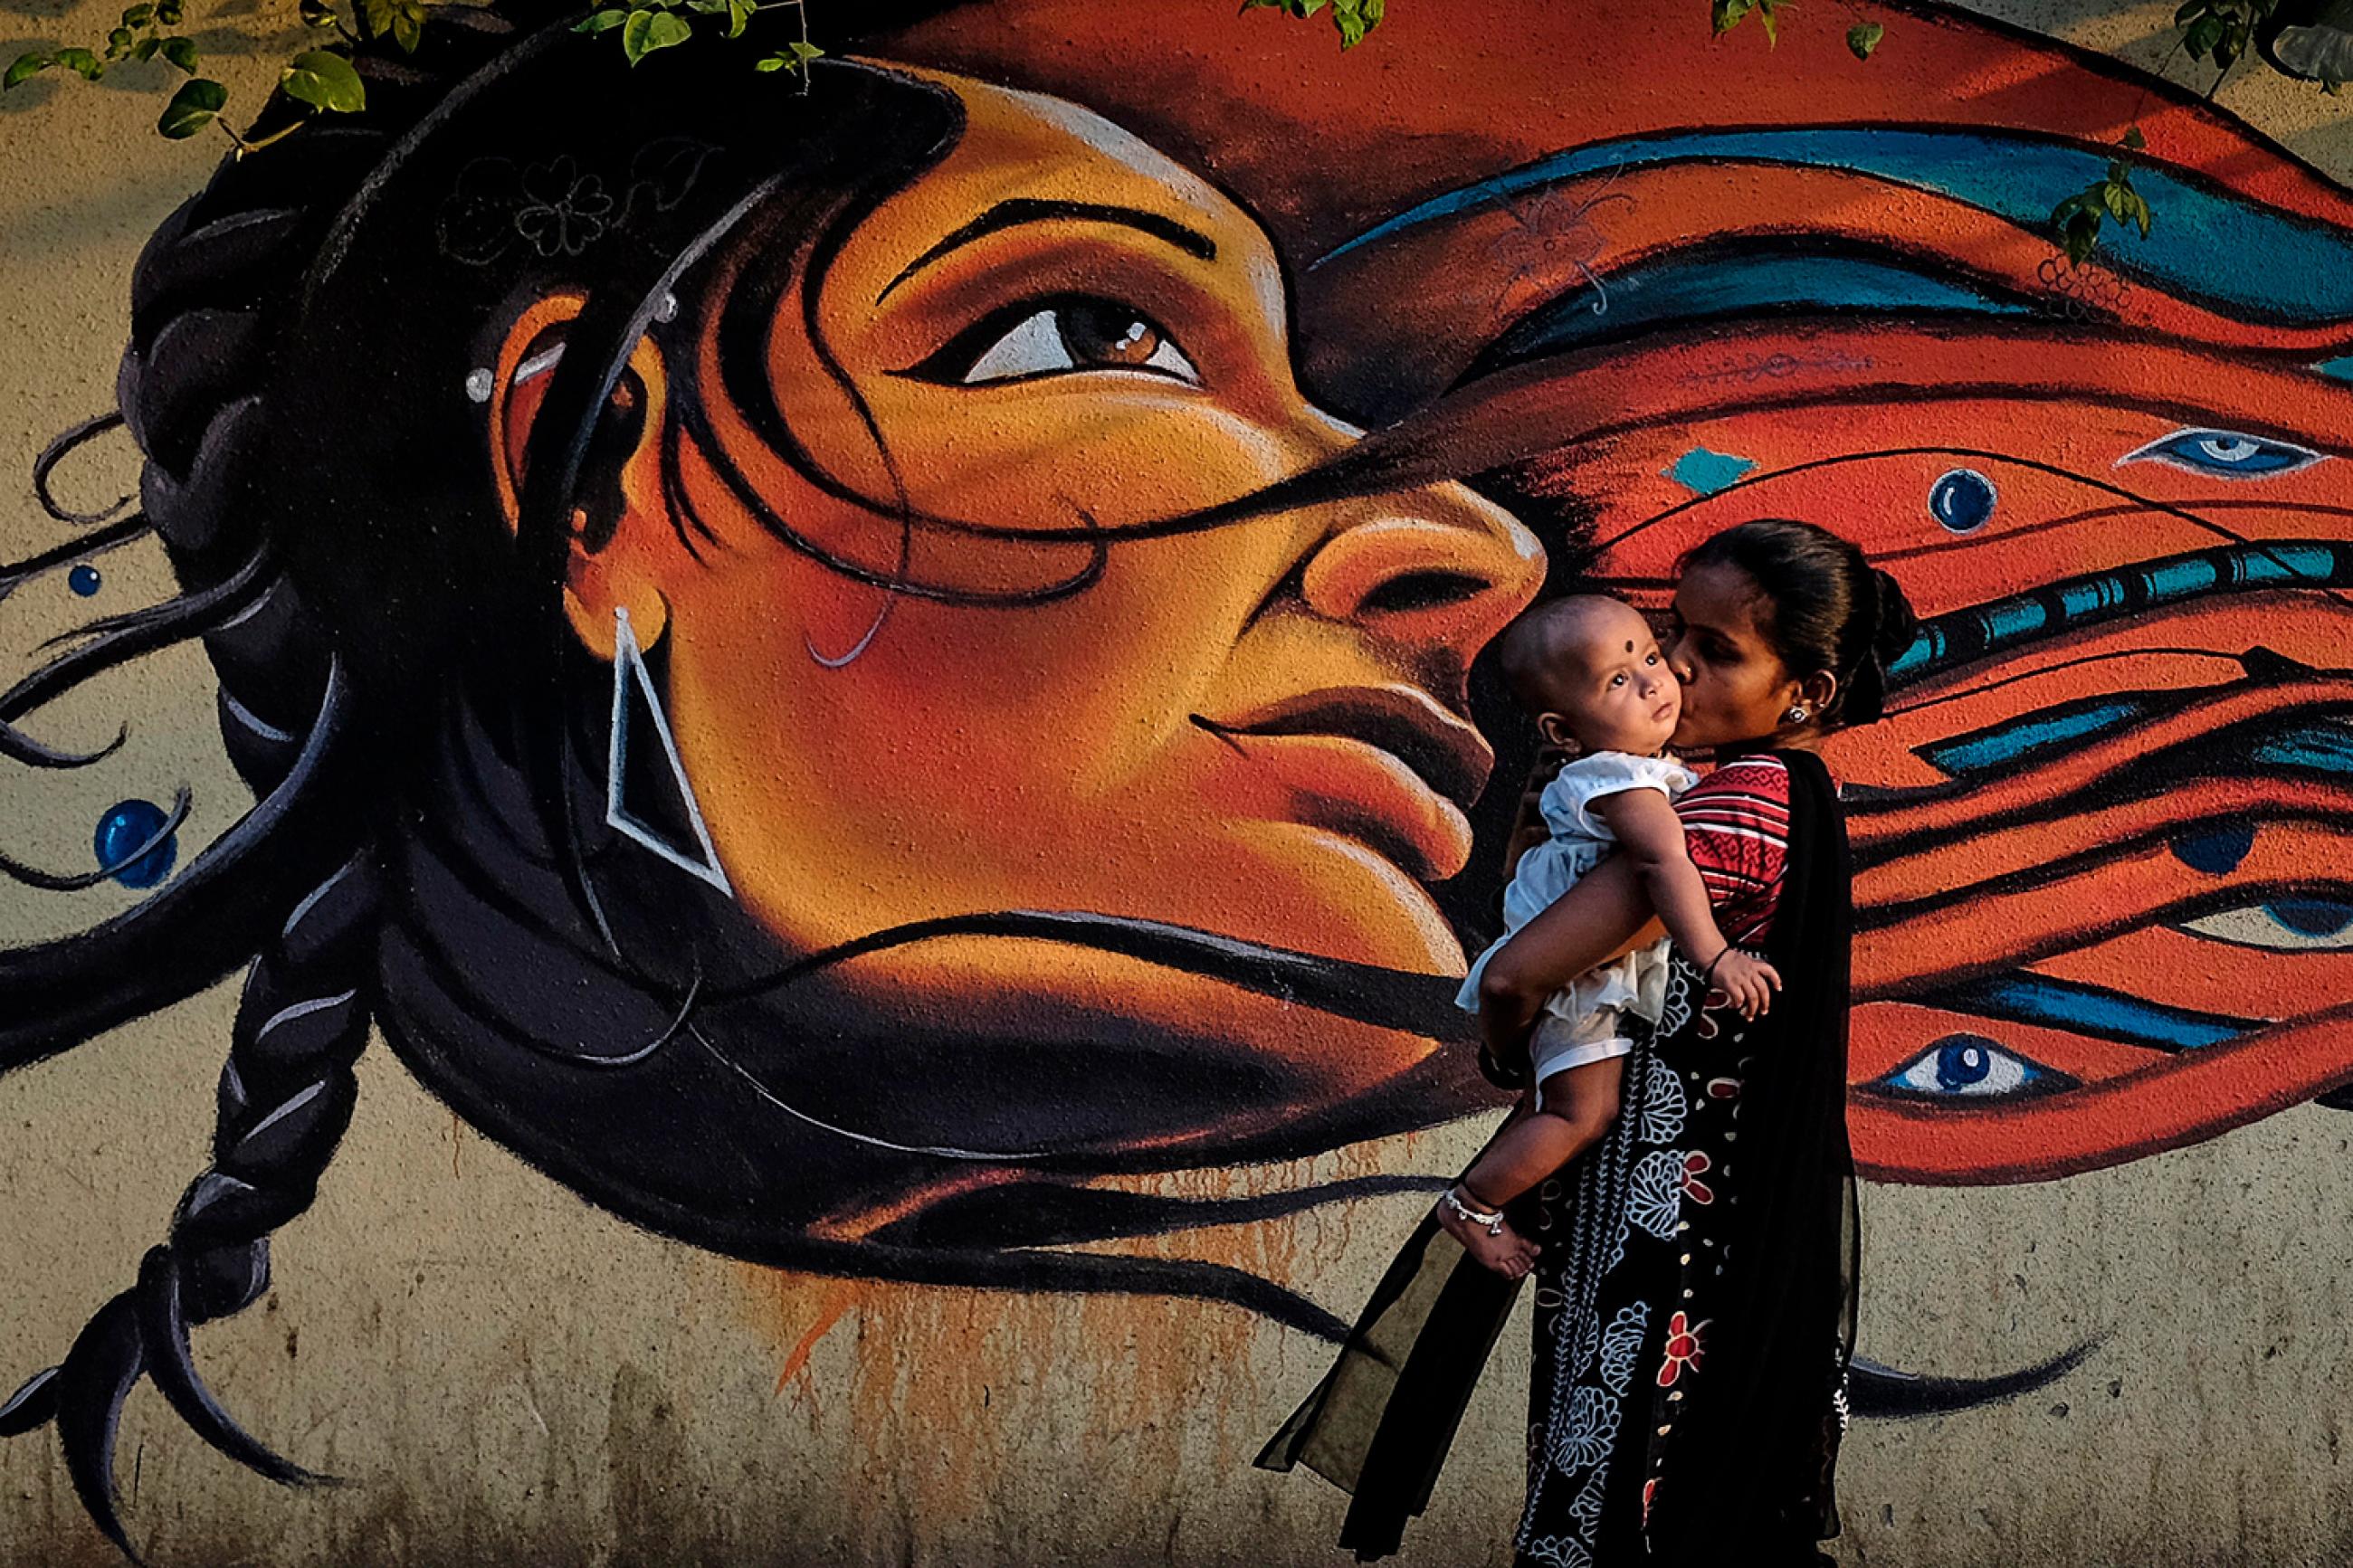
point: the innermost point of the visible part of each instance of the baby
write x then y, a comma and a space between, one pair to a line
1590, 672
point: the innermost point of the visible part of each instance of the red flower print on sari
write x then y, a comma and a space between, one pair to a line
1648, 1488
1684, 1349
1695, 1165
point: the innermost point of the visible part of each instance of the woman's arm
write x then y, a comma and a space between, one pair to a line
1604, 916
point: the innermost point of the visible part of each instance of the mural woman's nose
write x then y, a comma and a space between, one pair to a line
1441, 571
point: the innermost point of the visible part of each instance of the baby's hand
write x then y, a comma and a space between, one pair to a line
1747, 980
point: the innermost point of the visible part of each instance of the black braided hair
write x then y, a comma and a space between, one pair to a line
287, 887
286, 1096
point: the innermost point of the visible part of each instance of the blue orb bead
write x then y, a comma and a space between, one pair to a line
123, 830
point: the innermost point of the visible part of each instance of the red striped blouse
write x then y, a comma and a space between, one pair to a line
1736, 823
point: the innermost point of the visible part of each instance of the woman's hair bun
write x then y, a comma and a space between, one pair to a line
1897, 624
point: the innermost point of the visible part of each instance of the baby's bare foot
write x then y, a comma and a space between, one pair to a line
1497, 1247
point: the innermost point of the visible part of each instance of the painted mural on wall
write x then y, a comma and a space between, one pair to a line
840, 672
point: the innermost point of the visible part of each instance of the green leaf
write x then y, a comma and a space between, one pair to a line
2134, 138
139, 15
182, 52
144, 50
316, 14
1864, 38
2191, 10
739, 17
169, 13
83, 63
324, 79
2081, 234
601, 21
796, 57
408, 28
119, 42
2202, 37
23, 68
1771, 24
192, 107
2331, 83
1726, 15
647, 31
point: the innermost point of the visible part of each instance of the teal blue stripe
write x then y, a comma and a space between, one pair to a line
1990, 748
2326, 747
2178, 578
2059, 1003
2210, 246
2282, 562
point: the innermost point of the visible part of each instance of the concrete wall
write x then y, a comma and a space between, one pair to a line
549, 1312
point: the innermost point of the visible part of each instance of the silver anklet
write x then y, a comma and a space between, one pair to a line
1493, 1221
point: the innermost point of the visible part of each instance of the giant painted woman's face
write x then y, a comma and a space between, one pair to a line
1256, 731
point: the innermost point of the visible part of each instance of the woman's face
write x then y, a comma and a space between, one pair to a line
1258, 731
1735, 686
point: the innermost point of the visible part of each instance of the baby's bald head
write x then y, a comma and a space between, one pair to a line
1557, 643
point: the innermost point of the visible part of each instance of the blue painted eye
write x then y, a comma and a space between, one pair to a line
1962, 500
83, 579
2226, 453
1970, 1066
2292, 925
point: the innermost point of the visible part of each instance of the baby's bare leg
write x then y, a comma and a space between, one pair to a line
1574, 1109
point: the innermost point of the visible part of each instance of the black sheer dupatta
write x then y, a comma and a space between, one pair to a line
1762, 1441
1380, 1423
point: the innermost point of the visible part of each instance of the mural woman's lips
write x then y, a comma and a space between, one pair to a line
1388, 764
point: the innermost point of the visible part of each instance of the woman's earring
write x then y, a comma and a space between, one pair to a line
1796, 714
630, 677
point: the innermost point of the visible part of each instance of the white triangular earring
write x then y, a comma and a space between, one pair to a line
629, 667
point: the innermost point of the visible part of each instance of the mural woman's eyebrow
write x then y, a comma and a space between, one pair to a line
1032, 209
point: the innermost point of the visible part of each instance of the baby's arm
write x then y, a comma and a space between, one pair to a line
1651, 835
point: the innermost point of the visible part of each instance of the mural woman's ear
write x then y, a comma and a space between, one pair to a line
622, 545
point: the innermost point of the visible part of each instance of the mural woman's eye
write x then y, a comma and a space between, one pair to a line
2226, 453
2306, 925
1058, 337
1970, 1066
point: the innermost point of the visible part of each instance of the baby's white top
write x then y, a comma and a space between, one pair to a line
1568, 801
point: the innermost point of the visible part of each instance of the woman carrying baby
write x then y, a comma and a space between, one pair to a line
1689, 1211
1696, 1273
